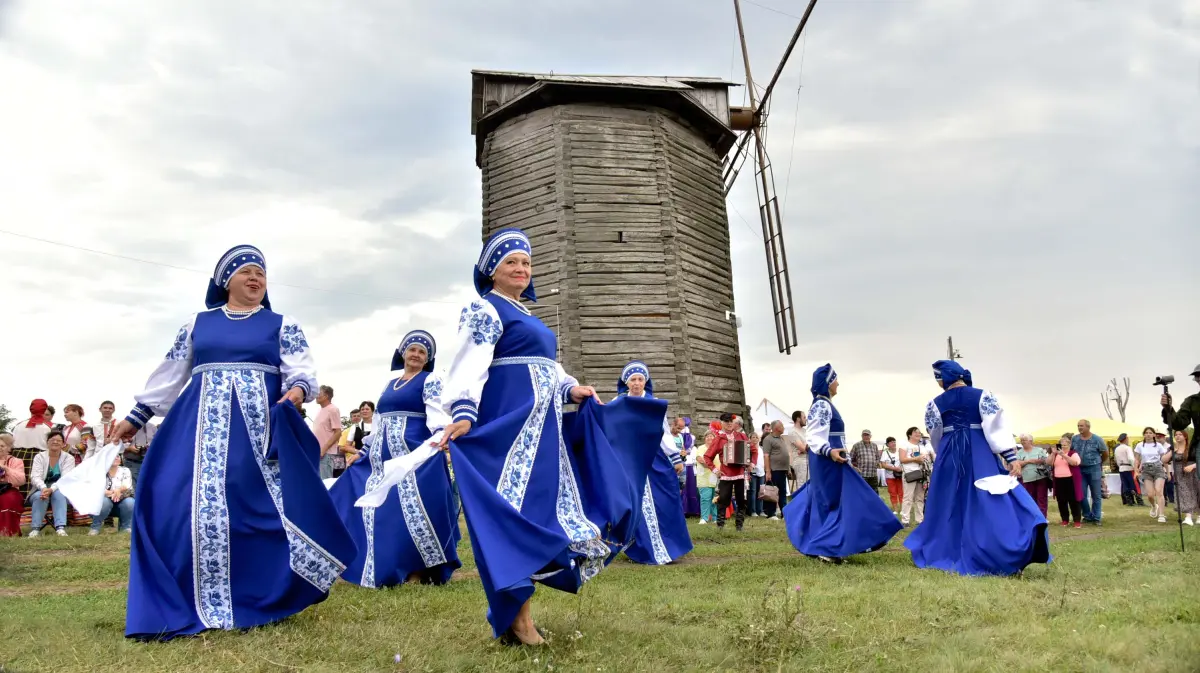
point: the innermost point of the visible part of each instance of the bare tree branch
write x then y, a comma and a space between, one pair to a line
1112, 393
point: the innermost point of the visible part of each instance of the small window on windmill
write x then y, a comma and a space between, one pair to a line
620, 237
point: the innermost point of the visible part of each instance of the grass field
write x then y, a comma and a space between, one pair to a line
1117, 598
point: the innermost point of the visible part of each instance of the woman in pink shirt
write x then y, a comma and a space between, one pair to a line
12, 478
1068, 481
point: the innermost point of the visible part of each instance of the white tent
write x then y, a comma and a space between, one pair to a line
768, 412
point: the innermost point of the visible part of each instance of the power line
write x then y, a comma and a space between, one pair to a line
105, 253
787, 183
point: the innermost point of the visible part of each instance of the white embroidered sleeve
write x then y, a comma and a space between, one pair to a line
167, 380
565, 383
435, 415
298, 368
819, 417
995, 428
668, 444
479, 329
933, 423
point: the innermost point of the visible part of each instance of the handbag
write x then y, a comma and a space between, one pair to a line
768, 493
914, 476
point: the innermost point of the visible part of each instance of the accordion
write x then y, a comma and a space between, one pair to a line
734, 454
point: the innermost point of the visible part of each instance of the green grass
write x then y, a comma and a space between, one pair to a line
1117, 598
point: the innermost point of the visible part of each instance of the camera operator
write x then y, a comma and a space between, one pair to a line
1188, 414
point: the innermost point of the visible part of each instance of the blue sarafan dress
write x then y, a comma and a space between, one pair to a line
233, 527
835, 514
416, 529
549, 497
968, 530
662, 534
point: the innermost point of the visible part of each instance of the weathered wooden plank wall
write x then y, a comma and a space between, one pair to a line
625, 210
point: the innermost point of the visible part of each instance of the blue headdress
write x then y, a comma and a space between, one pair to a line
635, 367
420, 338
234, 259
947, 372
821, 380
502, 244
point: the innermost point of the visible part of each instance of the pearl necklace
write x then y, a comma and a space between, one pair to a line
401, 381
240, 315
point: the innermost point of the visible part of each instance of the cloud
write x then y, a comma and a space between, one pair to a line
1018, 175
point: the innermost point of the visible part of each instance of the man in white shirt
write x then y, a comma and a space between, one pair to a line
1124, 458
106, 424
798, 469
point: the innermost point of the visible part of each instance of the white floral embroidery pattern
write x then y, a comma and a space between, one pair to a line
182, 348
484, 328
291, 339
518, 464
432, 389
820, 413
584, 535
650, 517
416, 518
210, 510
989, 405
933, 419
375, 455
305, 557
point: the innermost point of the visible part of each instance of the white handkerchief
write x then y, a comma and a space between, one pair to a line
83, 486
395, 471
997, 484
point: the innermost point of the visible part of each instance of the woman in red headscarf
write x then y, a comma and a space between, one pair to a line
29, 437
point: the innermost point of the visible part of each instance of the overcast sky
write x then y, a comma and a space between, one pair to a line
1022, 175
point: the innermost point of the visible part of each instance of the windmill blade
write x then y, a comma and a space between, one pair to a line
734, 162
778, 277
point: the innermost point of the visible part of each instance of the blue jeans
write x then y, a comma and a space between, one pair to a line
326, 466
1092, 477
57, 503
124, 514
756, 505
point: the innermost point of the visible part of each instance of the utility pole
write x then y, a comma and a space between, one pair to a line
950, 352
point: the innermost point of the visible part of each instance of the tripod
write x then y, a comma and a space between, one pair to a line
1178, 509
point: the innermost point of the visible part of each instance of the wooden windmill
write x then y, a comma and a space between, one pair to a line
620, 183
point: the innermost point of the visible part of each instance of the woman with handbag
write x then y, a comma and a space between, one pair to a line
1068, 481
1035, 473
889, 460
913, 461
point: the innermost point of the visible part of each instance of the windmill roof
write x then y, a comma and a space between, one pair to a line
664, 81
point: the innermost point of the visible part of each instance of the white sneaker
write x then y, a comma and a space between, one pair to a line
34, 533
1162, 519
1187, 520
703, 522
775, 518
61, 532
1153, 512
93, 532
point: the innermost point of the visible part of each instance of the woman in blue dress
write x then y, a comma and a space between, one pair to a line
836, 513
662, 536
234, 528
547, 497
968, 530
413, 535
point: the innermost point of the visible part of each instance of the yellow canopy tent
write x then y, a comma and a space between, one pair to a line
1107, 429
